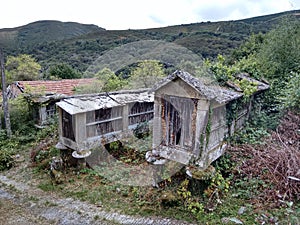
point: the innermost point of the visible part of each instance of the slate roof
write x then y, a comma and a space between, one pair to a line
91, 102
210, 91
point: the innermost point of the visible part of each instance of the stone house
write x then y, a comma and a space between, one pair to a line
43, 94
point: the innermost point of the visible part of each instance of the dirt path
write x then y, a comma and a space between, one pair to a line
21, 202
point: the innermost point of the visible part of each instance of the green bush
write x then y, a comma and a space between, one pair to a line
20, 117
6, 159
291, 96
6, 151
250, 135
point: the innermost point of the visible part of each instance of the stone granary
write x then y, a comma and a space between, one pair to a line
189, 125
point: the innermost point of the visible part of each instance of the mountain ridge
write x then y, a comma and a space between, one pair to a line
52, 42
44, 31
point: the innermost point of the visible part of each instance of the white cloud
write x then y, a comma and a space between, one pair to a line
235, 9
120, 14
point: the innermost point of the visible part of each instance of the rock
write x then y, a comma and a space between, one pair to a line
150, 157
57, 176
19, 158
160, 162
56, 167
56, 163
241, 210
227, 220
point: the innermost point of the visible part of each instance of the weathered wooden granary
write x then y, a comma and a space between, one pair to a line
87, 121
190, 124
189, 117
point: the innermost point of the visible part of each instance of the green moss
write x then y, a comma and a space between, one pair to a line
208, 126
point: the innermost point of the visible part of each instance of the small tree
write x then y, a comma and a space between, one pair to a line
22, 67
62, 71
106, 81
279, 54
291, 96
146, 74
110, 81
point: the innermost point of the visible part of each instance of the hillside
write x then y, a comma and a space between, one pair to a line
79, 45
41, 32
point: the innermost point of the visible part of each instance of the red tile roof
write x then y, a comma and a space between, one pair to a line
65, 86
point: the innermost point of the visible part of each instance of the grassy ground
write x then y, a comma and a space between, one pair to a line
230, 194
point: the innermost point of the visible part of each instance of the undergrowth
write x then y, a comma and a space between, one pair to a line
238, 188
229, 193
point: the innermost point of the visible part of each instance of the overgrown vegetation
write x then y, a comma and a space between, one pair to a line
243, 185
255, 182
235, 188
25, 134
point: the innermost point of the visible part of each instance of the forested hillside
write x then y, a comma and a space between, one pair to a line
53, 42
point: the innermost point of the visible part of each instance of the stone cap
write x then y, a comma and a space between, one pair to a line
81, 154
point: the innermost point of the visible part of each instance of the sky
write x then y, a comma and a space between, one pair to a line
137, 14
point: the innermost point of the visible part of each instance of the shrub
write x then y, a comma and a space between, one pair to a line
6, 151
6, 159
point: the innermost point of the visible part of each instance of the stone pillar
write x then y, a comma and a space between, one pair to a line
157, 133
158, 170
81, 156
42, 115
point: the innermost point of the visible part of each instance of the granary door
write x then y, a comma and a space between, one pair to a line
67, 125
177, 117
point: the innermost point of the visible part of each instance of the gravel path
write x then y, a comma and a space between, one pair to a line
21, 202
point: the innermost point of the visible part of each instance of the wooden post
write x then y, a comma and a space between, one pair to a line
4, 95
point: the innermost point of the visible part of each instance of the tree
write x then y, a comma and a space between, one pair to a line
222, 72
146, 74
248, 47
278, 60
110, 81
291, 96
62, 71
279, 54
22, 67
275, 57
106, 81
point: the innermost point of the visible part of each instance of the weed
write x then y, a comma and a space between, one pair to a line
47, 186
247, 188
250, 134
12, 188
71, 180
33, 198
96, 217
49, 204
